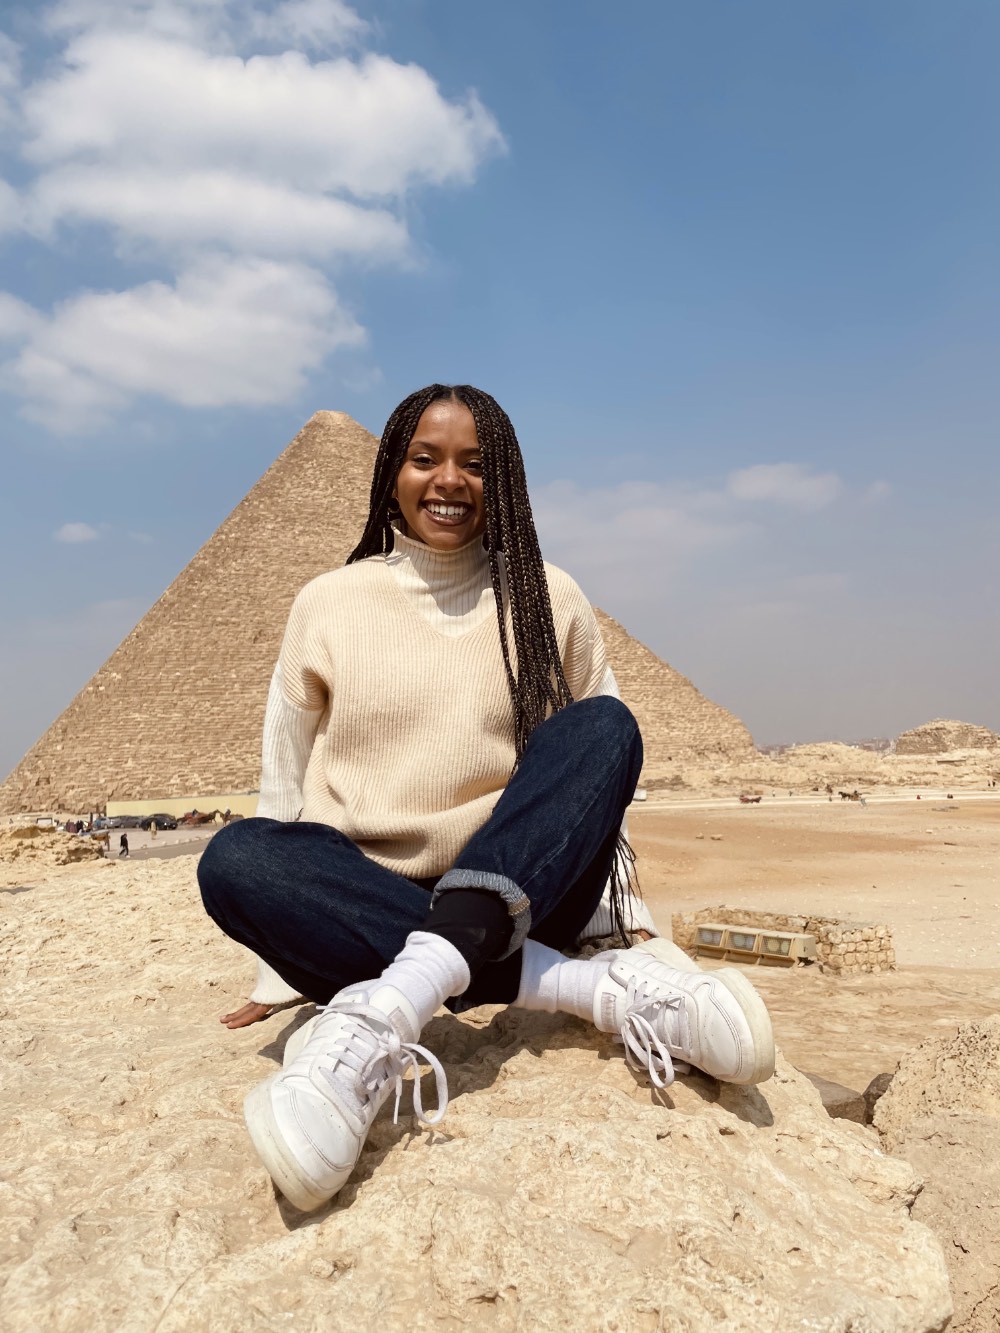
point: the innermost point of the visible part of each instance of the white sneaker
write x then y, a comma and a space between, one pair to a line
715, 1021
665, 950
298, 1039
309, 1123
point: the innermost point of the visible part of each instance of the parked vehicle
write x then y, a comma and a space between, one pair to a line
161, 822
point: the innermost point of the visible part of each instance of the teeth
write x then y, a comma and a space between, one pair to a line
448, 511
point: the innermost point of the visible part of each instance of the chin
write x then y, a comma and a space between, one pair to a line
446, 541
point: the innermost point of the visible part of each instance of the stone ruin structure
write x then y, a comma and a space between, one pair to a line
842, 947
178, 708
943, 735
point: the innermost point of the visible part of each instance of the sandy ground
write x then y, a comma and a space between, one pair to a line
166, 843
930, 869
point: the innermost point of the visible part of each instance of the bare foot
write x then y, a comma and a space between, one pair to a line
249, 1013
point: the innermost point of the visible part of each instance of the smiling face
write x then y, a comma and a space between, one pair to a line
439, 487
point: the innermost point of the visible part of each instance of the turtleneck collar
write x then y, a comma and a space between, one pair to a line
437, 566
451, 590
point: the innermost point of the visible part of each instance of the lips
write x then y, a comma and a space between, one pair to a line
448, 514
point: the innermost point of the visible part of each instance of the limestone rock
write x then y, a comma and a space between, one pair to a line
26, 849
943, 735
875, 1090
839, 1102
942, 1112
560, 1193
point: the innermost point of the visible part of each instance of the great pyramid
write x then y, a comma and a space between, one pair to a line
178, 708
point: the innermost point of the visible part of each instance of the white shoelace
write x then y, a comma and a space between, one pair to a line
372, 1040
644, 1048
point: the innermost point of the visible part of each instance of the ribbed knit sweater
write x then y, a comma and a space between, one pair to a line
389, 715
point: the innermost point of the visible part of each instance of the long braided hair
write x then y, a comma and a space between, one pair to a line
538, 685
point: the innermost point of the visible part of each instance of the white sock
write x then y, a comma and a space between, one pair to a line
427, 970
555, 984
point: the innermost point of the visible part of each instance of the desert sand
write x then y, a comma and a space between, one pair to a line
561, 1192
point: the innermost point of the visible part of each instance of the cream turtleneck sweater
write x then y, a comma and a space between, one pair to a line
389, 717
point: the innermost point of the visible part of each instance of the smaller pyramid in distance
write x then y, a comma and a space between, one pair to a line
178, 708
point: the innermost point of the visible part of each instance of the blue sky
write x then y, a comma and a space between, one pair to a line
732, 270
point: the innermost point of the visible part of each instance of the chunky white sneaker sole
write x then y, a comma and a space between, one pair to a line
758, 1020
279, 1163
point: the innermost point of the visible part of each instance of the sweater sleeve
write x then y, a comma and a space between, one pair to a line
291, 721
270, 988
585, 662
637, 914
289, 733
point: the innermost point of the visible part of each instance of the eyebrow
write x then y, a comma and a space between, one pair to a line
427, 444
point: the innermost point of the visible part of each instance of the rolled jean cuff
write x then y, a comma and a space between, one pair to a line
512, 894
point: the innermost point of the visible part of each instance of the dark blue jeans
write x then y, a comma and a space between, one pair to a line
307, 900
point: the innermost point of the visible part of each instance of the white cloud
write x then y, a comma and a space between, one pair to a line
631, 536
75, 532
626, 543
369, 127
229, 332
315, 25
789, 484
10, 78
18, 320
247, 170
181, 20
876, 492
188, 210
11, 207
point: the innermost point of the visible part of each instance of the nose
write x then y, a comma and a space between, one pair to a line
448, 476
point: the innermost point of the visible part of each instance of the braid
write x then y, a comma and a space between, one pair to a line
535, 676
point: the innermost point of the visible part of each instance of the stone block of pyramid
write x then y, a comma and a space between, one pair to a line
178, 708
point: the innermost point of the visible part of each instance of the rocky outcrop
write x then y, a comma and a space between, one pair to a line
943, 735
560, 1193
942, 1112
26, 849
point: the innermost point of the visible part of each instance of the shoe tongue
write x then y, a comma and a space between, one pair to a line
397, 1009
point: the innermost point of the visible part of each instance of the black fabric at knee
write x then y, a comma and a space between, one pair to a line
475, 921
496, 983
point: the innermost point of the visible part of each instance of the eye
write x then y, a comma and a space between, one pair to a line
422, 460
475, 465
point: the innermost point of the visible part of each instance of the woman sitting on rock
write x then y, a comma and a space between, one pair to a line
446, 770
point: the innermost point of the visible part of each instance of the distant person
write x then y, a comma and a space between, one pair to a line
153, 830
123, 845
443, 719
